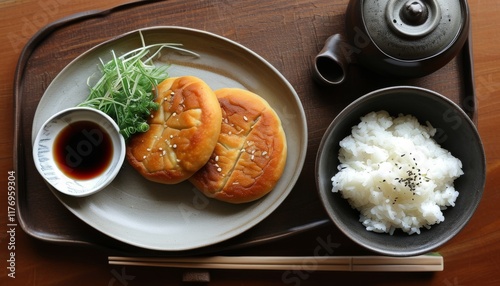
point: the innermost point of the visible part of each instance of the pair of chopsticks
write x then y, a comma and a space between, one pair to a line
423, 263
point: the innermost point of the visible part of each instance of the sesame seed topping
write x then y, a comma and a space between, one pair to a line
245, 118
219, 169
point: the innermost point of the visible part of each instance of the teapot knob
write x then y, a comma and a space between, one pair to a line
414, 12
415, 18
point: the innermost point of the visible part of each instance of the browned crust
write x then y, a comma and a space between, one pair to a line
183, 132
251, 152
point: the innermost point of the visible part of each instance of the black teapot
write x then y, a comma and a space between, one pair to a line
397, 38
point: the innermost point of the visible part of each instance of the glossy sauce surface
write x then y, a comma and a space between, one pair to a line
83, 150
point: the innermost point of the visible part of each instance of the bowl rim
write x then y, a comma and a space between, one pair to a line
354, 105
118, 162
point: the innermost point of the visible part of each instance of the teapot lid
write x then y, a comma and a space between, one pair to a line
413, 29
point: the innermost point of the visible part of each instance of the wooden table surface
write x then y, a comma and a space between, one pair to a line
471, 258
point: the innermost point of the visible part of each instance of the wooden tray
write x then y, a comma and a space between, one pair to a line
286, 34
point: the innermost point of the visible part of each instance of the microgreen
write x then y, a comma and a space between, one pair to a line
127, 87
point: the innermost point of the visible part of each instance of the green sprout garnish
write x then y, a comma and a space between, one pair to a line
127, 88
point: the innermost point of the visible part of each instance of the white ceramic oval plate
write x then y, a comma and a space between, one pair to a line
178, 217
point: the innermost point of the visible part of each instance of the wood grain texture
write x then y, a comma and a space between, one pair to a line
471, 258
320, 104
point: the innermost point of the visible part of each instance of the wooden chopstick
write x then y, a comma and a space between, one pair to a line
422, 263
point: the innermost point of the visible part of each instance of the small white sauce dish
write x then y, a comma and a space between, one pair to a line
79, 151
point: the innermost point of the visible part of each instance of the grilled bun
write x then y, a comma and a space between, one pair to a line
183, 132
250, 155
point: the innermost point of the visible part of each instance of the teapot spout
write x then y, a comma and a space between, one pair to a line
330, 64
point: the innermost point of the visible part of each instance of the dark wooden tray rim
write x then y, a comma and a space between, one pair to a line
44, 218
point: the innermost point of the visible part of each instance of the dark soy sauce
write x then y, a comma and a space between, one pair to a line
83, 150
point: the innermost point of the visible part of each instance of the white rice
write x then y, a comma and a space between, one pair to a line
395, 174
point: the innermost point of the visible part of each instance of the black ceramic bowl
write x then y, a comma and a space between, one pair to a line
455, 132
